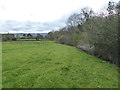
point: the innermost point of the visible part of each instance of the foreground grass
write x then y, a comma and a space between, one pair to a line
45, 64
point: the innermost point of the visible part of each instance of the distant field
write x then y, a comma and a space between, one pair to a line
26, 39
45, 64
29, 39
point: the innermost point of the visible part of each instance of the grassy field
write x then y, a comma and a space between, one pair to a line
45, 64
27, 39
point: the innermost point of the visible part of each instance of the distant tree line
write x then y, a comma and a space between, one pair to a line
96, 34
8, 37
13, 37
39, 36
29, 36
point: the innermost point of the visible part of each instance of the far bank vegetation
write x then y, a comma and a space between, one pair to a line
94, 33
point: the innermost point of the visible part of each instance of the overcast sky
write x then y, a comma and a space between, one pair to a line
45, 11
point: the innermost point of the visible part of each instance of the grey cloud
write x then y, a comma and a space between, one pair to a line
28, 26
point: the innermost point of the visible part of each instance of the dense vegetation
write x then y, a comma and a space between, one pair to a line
94, 33
45, 64
8, 37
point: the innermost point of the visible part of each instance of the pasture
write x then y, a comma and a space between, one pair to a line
46, 64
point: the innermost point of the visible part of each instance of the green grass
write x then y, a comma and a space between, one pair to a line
26, 39
45, 64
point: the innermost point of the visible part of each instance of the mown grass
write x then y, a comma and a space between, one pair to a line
45, 64
27, 39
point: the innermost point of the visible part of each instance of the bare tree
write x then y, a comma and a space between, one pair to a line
87, 13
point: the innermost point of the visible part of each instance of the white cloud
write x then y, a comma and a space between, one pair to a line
50, 11
43, 10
